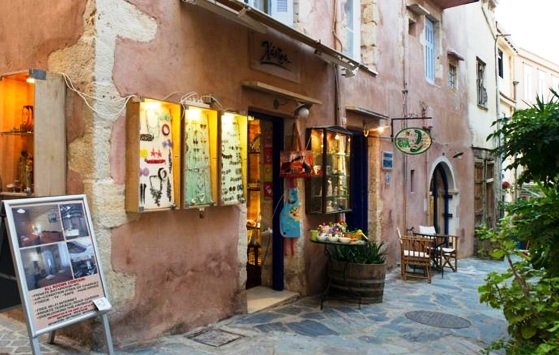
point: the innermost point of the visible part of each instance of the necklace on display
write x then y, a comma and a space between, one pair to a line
152, 122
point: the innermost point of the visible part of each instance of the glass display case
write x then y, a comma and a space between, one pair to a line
199, 157
233, 159
152, 155
328, 191
32, 134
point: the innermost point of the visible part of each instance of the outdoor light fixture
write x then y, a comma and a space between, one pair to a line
302, 111
458, 155
36, 74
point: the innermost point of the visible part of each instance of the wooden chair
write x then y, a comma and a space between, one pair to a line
415, 253
448, 253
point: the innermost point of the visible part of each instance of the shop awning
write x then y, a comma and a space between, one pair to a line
256, 20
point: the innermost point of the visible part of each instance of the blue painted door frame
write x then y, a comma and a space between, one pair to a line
358, 217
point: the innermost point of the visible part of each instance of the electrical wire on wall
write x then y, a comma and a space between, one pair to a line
117, 105
105, 112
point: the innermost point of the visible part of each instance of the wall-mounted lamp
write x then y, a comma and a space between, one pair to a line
302, 111
458, 155
36, 74
379, 130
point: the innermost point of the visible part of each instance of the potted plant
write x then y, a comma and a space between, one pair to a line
358, 270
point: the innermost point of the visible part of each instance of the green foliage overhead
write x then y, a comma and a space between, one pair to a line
531, 138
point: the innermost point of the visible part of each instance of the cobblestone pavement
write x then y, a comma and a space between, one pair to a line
459, 323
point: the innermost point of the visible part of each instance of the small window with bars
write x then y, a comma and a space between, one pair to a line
452, 76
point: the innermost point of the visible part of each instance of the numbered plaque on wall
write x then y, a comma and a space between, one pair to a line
199, 157
152, 155
233, 134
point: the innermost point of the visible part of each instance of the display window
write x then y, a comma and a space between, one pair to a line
33, 159
233, 158
199, 157
153, 155
329, 188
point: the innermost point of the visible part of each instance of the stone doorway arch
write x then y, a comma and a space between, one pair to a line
443, 197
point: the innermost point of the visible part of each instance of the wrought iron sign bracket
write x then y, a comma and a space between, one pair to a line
403, 119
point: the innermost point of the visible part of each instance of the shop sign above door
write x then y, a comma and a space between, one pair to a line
412, 140
274, 57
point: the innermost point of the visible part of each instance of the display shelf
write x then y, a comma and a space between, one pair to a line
32, 134
328, 190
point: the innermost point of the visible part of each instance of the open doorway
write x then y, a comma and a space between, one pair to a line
443, 198
265, 263
264, 201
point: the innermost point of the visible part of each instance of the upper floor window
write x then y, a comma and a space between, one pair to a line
351, 29
452, 76
281, 10
528, 86
541, 83
429, 50
500, 67
480, 80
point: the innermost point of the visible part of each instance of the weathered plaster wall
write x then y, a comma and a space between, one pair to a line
188, 272
25, 44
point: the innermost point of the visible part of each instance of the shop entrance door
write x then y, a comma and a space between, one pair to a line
359, 183
440, 200
265, 191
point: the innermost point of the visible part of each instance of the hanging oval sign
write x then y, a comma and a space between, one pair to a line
412, 140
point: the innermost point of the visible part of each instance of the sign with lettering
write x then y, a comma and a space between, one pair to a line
275, 57
56, 261
412, 140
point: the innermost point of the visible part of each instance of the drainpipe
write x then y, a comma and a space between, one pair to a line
497, 100
405, 112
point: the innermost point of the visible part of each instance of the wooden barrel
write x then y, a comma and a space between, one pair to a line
362, 281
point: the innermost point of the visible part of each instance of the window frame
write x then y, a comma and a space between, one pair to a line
480, 83
270, 7
353, 33
452, 76
430, 45
528, 85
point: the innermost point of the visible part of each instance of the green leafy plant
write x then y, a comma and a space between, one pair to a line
368, 253
528, 292
529, 297
531, 138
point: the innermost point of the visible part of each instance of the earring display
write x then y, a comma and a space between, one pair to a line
152, 154
198, 157
233, 158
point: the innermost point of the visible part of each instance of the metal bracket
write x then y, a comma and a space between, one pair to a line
403, 119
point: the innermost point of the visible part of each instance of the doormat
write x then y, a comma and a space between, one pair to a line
438, 319
214, 337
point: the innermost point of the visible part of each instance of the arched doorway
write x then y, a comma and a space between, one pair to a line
441, 191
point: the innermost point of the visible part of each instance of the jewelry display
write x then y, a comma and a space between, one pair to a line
197, 172
156, 165
232, 188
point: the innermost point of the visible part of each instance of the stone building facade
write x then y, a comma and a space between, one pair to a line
176, 270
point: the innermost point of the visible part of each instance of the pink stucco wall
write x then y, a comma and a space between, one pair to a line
30, 30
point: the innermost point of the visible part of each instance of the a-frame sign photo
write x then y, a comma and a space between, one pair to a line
49, 264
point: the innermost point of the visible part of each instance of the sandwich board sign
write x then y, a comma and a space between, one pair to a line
56, 264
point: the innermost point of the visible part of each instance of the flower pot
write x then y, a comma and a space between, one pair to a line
363, 281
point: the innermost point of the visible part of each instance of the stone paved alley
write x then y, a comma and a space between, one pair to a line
399, 325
